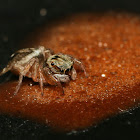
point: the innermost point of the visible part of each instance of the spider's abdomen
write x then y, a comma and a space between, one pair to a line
22, 57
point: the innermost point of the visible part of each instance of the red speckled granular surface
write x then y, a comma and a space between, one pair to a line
108, 44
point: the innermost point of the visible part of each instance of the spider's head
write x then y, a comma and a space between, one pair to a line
60, 63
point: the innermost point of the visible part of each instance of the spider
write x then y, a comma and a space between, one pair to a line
43, 66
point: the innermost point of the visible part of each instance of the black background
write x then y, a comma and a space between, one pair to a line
17, 19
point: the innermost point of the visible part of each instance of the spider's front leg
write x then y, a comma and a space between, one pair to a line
73, 74
79, 64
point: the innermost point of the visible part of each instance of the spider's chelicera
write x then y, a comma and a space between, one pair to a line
43, 66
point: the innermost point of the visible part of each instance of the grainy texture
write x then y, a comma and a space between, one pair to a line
109, 46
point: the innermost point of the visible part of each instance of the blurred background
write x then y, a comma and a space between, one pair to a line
17, 19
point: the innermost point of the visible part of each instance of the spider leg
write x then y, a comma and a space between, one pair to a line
73, 74
23, 73
6, 69
28, 66
41, 80
79, 63
19, 84
46, 52
35, 71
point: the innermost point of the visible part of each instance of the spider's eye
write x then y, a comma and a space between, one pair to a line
71, 67
62, 70
52, 64
67, 70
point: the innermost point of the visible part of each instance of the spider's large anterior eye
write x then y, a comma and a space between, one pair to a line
52, 64
62, 70
67, 71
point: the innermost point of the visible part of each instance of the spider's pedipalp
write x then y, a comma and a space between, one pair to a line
52, 79
62, 77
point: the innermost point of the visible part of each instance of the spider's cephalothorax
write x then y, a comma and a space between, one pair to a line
42, 66
60, 63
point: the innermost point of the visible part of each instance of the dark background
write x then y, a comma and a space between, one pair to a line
17, 19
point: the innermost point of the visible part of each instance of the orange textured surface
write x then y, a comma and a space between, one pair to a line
108, 44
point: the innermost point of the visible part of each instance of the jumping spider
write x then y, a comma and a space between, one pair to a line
43, 66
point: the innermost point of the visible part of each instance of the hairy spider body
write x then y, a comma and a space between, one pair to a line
42, 66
